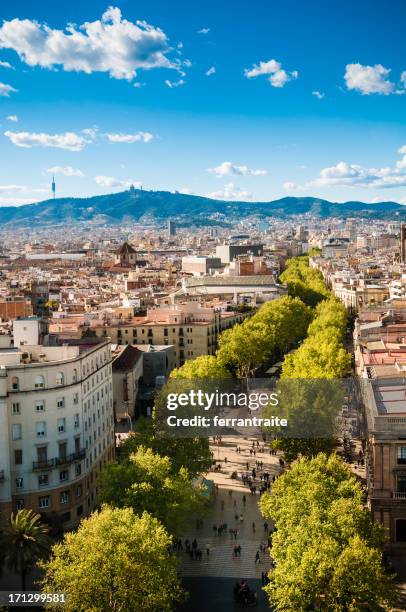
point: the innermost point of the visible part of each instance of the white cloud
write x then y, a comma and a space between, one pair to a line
68, 140
111, 181
12, 188
211, 70
186, 191
6, 90
227, 168
318, 94
130, 138
12, 118
172, 84
369, 79
403, 78
230, 192
203, 31
5, 65
351, 175
11, 201
111, 44
278, 77
65, 171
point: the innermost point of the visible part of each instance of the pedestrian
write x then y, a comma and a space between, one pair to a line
225, 459
253, 527
194, 544
235, 503
257, 558
215, 529
208, 549
266, 527
244, 500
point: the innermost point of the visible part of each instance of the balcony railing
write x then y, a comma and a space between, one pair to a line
46, 464
399, 494
71, 458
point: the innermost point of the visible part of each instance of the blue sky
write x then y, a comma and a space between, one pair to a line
229, 99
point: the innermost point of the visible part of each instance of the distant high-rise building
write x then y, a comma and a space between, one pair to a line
53, 187
403, 242
351, 227
171, 228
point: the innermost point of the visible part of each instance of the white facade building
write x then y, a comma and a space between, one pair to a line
56, 427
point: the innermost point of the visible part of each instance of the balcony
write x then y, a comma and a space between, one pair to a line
68, 459
2, 476
46, 464
399, 494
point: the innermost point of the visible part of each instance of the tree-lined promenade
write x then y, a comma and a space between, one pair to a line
120, 557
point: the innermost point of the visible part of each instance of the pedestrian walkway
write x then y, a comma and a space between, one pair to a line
228, 508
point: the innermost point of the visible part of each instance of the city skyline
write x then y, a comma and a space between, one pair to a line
283, 100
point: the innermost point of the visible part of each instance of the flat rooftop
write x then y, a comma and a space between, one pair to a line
390, 397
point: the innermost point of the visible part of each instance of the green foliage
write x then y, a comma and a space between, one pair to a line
191, 453
206, 366
274, 329
23, 542
331, 316
325, 541
320, 356
115, 561
304, 282
146, 481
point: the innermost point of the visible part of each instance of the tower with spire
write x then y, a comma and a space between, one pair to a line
53, 187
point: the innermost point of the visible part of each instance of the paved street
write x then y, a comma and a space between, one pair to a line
220, 565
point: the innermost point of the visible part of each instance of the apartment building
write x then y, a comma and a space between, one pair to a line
385, 408
192, 329
56, 424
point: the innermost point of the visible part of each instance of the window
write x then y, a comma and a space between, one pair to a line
39, 382
40, 428
79, 510
60, 402
401, 483
76, 421
42, 453
78, 469
20, 504
61, 425
17, 431
18, 457
15, 408
43, 480
40, 406
63, 475
401, 454
75, 375
401, 530
76, 398
15, 383
44, 502
19, 483
64, 497
60, 378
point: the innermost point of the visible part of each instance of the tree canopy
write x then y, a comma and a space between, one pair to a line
325, 541
205, 366
146, 481
115, 561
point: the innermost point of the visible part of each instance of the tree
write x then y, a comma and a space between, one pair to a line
321, 522
190, 453
320, 356
304, 282
23, 542
206, 366
244, 347
146, 482
115, 561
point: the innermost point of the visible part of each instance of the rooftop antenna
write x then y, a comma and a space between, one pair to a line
53, 187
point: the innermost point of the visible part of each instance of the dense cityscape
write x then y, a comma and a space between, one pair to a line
94, 328
203, 306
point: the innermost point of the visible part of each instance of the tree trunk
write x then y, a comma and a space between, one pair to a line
24, 579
